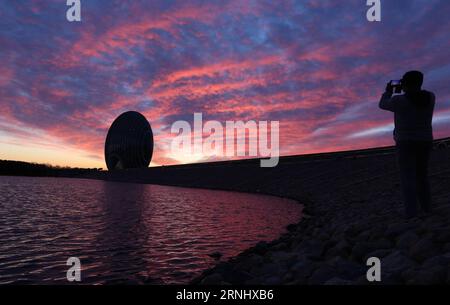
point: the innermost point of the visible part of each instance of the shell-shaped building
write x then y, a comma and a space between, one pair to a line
129, 143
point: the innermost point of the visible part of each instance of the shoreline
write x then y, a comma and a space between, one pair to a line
352, 210
332, 246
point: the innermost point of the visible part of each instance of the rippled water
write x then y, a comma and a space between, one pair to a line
129, 233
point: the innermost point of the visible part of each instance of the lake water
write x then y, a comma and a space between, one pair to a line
127, 233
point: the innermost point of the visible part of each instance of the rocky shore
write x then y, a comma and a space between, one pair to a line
353, 211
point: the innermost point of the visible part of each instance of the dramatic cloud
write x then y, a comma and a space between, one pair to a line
318, 67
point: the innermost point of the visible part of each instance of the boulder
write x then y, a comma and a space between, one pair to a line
446, 247
378, 253
380, 244
282, 257
239, 277
360, 250
395, 229
303, 269
336, 281
353, 230
273, 280
268, 270
407, 240
292, 227
342, 248
212, 279
321, 275
260, 248
439, 260
430, 276
441, 235
348, 270
395, 264
312, 249
249, 262
423, 249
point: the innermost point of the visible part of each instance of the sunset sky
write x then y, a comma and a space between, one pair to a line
316, 66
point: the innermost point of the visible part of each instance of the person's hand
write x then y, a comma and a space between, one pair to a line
389, 88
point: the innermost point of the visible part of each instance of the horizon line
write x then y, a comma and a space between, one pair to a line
445, 139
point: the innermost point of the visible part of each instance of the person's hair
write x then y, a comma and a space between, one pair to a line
413, 79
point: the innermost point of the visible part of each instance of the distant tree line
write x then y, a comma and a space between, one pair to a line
20, 168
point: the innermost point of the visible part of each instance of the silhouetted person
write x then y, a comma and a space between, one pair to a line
413, 135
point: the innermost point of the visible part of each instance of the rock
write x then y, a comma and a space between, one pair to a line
377, 232
249, 262
254, 281
303, 269
408, 274
216, 255
364, 236
360, 250
342, 248
348, 270
312, 249
380, 244
316, 232
441, 235
338, 281
273, 280
423, 249
261, 247
395, 264
407, 240
430, 276
362, 280
432, 220
292, 227
439, 260
377, 253
396, 229
446, 247
322, 275
239, 277
268, 270
352, 230
282, 257
224, 267
212, 279
442, 210
324, 237
288, 277
153, 281
280, 246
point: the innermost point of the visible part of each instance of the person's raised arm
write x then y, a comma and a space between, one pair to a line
386, 101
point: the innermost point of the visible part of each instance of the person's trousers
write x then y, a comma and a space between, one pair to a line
413, 157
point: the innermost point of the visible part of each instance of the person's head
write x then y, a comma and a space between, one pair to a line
412, 81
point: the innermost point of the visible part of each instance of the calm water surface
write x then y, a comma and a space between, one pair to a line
127, 233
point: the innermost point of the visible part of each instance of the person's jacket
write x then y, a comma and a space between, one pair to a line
413, 115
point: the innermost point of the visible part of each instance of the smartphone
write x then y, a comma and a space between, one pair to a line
397, 86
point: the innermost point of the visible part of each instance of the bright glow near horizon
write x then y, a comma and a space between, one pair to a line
317, 67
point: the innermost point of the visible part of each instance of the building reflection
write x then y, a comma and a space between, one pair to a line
125, 234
